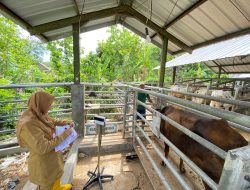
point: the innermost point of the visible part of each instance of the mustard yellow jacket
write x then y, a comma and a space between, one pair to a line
44, 164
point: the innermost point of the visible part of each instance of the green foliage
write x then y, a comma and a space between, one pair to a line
61, 59
123, 57
195, 71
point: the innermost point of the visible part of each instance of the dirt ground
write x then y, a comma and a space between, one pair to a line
15, 170
128, 175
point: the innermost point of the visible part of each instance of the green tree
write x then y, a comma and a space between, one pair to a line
61, 59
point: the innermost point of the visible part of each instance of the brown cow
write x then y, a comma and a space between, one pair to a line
216, 131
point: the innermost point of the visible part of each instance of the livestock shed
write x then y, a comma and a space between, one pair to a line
173, 25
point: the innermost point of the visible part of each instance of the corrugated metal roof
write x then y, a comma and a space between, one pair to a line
232, 55
209, 20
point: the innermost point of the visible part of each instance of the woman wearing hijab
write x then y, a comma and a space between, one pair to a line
35, 131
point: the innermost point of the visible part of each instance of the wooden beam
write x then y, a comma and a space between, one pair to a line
76, 51
121, 18
163, 61
75, 19
82, 30
5, 11
132, 12
183, 14
142, 35
219, 39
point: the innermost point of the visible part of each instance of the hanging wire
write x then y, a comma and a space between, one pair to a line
83, 3
172, 10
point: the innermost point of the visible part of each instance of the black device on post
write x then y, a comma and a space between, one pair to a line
98, 176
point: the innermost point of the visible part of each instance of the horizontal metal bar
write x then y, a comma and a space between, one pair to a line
104, 114
196, 169
61, 110
103, 84
105, 92
8, 121
221, 153
16, 101
227, 115
7, 131
217, 99
10, 86
234, 125
12, 101
179, 178
9, 116
157, 170
105, 105
189, 162
101, 100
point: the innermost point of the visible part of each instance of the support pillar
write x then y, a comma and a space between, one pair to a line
163, 60
77, 101
236, 171
174, 74
76, 51
219, 73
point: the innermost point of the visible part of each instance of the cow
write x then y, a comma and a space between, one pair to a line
201, 91
180, 88
221, 94
217, 131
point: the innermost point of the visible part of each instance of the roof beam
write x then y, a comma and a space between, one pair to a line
82, 30
142, 35
219, 39
183, 14
132, 12
75, 19
5, 11
220, 67
231, 65
120, 17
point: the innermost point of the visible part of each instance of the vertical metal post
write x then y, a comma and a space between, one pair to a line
76, 51
84, 111
125, 111
236, 171
77, 99
135, 116
219, 73
163, 60
174, 74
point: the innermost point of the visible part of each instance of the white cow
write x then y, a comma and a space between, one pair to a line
201, 91
181, 89
221, 94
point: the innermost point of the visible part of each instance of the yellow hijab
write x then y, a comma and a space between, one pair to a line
38, 106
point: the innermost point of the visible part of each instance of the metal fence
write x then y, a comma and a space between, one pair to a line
234, 118
100, 97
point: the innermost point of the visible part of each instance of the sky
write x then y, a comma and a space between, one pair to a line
89, 40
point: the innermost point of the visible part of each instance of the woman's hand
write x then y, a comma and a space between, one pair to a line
72, 125
68, 131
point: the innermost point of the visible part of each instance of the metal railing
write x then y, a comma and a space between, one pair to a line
126, 100
234, 118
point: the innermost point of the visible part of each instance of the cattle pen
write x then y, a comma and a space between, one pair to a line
145, 141
181, 26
